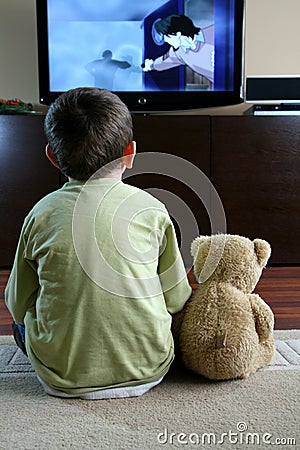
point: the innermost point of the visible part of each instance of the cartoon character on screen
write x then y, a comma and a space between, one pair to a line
104, 69
189, 46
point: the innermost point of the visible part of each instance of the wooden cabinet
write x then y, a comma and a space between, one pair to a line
179, 172
26, 176
256, 170
252, 162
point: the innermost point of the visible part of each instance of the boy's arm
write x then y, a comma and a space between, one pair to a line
172, 273
21, 289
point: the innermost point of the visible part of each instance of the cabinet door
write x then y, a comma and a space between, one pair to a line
26, 176
173, 163
255, 168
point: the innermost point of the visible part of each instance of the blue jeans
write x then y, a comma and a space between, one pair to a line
19, 336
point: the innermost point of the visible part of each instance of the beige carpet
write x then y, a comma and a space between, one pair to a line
184, 411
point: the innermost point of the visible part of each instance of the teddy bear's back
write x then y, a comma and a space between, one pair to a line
218, 329
219, 303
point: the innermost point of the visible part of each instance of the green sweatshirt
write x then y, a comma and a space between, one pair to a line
96, 277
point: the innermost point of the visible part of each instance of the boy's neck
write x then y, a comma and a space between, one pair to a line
116, 174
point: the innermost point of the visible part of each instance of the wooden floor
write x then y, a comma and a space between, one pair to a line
278, 286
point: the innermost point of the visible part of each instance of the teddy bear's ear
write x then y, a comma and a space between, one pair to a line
263, 251
196, 244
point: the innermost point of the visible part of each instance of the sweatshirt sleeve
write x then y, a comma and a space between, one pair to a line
167, 61
22, 287
172, 273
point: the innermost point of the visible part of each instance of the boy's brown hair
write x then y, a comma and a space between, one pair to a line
87, 128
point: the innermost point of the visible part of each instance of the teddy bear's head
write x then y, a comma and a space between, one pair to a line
230, 258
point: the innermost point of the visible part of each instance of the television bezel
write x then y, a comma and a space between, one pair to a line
153, 101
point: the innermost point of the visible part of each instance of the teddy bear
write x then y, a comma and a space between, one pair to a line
225, 331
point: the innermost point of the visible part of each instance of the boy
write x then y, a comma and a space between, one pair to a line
97, 272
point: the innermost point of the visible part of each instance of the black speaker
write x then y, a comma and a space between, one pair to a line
279, 89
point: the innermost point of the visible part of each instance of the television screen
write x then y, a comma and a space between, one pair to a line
157, 55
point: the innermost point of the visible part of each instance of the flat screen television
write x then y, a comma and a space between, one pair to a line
156, 55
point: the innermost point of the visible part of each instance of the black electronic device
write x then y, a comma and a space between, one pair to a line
111, 43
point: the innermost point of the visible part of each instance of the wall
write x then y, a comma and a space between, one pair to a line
272, 45
18, 50
272, 37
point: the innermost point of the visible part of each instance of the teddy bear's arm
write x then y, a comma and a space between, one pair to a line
177, 320
263, 316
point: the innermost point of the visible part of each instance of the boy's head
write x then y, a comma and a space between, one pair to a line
86, 129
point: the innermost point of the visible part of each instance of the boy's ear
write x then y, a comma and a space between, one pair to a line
129, 154
50, 156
